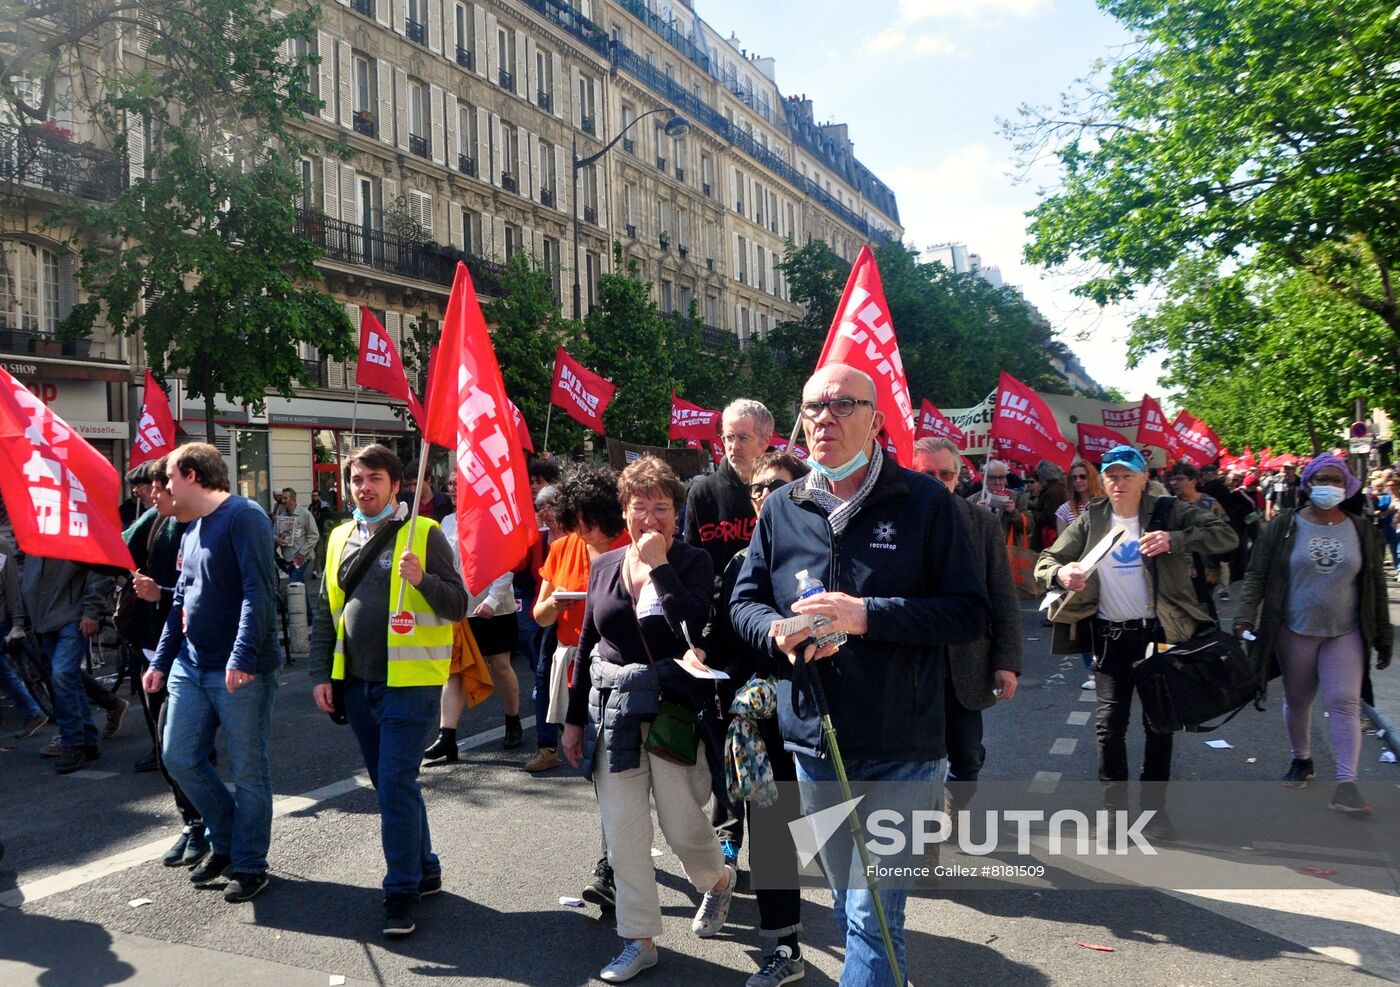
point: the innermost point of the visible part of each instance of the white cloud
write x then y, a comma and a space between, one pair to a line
912, 11
895, 40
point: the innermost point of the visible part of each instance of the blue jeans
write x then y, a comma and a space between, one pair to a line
239, 825
546, 734
10, 682
297, 573
66, 649
392, 725
866, 962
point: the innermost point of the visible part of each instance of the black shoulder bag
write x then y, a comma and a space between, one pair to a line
351, 573
1184, 686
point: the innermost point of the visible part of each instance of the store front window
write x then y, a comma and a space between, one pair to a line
252, 458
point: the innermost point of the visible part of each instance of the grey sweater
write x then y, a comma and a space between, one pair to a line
367, 609
58, 593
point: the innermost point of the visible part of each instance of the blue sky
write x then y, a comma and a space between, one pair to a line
922, 84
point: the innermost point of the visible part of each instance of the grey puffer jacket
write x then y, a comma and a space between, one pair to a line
622, 698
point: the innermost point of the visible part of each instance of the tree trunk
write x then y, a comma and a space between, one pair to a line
206, 383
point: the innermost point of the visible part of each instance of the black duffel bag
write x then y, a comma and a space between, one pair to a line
1185, 686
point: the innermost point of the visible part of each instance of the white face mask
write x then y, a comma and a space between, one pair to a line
1326, 497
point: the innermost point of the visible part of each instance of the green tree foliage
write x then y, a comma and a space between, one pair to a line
527, 324
1232, 129
1267, 356
211, 272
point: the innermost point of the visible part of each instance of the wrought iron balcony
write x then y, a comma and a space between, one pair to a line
547, 197
45, 160
631, 231
508, 181
315, 372
660, 163
570, 19
715, 338
415, 32
365, 7
667, 31
683, 250
507, 80
587, 125
590, 215
352, 243
466, 165
680, 173
418, 145
364, 123
545, 101
465, 58
665, 240
704, 188
629, 145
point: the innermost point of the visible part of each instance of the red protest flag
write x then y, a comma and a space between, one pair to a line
1024, 429
795, 450
933, 422
380, 367
526, 443
468, 411
1153, 429
862, 336
1197, 443
1095, 440
155, 430
60, 492
583, 394
691, 421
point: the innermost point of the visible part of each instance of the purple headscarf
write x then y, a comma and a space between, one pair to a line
1321, 462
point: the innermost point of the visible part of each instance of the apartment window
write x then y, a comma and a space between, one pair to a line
548, 178
418, 136
592, 268
471, 231
587, 119
738, 190
363, 84
628, 115
707, 167
420, 210
513, 240
416, 27
466, 44
544, 79
505, 42
29, 287
686, 297
629, 209
741, 264
466, 140
667, 302
588, 182
510, 155
712, 311
758, 267
306, 183
551, 260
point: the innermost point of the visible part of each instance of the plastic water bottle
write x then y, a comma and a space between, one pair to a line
807, 585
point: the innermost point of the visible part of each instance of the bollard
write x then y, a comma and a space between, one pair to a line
298, 630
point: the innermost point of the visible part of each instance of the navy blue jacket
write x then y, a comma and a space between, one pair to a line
909, 554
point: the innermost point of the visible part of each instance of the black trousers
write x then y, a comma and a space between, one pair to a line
772, 855
962, 734
1116, 650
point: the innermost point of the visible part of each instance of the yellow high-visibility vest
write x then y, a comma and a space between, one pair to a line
418, 655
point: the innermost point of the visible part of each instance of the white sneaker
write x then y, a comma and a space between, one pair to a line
633, 959
1088, 684
714, 908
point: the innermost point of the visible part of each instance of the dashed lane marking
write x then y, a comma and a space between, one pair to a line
1045, 782
1064, 746
1078, 718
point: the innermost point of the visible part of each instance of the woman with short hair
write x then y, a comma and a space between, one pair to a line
646, 603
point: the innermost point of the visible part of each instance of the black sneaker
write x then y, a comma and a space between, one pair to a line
1300, 772
429, 885
398, 915
244, 887
73, 758
1347, 798
175, 856
198, 847
601, 891
211, 868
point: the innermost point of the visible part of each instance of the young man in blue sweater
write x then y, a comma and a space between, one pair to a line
219, 653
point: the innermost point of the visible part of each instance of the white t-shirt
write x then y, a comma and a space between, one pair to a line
1123, 579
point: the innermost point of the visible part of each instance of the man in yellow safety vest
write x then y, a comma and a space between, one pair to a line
380, 663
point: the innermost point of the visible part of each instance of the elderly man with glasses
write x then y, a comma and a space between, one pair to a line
1007, 505
901, 584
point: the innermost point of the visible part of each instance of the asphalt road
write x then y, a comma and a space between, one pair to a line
83, 849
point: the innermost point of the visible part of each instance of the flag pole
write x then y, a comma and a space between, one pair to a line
796, 430
413, 516
548, 417
355, 416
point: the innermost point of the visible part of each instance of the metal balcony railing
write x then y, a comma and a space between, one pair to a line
545, 101
667, 32
465, 58
42, 161
629, 145
466, 165
507, 80
418, 145
415, 32
364, 123
590, 215
315, 372
508, 182
365, 7
631, 231
566, 16
547, 197
715, 338
587, 125
353, 243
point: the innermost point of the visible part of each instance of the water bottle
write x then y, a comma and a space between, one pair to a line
807, 585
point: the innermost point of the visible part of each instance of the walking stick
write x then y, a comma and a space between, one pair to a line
814, 679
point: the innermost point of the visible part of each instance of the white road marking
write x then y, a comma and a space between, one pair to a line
1064, 746
84, 873
1078, 718
1045, 782
1088, 696
90, 775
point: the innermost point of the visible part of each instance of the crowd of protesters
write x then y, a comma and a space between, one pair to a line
636, 568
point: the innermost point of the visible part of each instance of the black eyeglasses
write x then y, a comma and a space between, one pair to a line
757, 490
839, 407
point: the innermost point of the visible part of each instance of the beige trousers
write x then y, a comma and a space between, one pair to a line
625, 800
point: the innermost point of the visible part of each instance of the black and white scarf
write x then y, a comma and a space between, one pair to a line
839, 512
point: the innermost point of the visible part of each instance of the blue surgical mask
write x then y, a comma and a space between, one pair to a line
833, 474
388, 512
1326, 497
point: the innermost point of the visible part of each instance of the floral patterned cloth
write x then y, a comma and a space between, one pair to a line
747, 767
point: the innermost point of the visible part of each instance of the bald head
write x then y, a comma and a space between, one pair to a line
839, 414
850, 381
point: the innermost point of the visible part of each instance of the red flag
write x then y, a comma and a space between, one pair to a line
1095, 440
934, 422
1024, 429
1196, 442
690, 420
579, 391
380, 367
155, 431
469, 412
1153, 429
60, 492
862, 336
797, 452
526, 443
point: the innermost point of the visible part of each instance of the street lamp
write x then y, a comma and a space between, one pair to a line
676, 126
